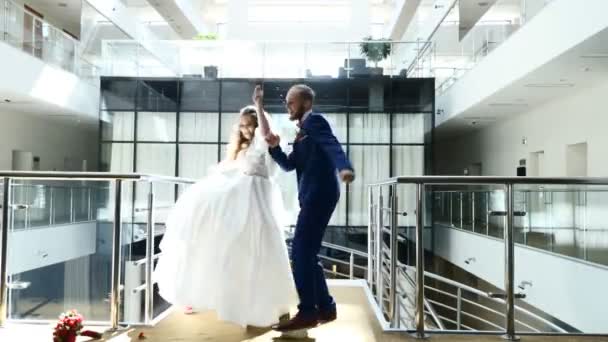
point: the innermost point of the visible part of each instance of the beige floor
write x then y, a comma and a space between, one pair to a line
355, 323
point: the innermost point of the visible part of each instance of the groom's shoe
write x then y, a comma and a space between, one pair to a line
299, 322
327, 316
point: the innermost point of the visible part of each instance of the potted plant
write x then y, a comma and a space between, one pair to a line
375, 50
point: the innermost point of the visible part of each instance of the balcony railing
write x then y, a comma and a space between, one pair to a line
108, 209
447, 57
398, 244
28, 32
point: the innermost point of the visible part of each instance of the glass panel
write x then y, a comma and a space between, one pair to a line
407, 161
117, 126
285, 60
199, 95
156, 126
158, 159
157, 96
409, 128
371, 164
370, 128
236, 95
467, 266
229, 125
337, 122
117, 157
566, 226
118, 94
199, 127
326, 60
71, 265
195, 160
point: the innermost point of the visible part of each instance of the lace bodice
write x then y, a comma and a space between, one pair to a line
254, 160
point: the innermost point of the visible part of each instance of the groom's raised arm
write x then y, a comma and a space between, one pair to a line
318, 128
286, 162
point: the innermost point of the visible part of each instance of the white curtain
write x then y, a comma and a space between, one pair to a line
152, 126
158, 159
371, 164
370, 128
198, 127
195, 160
408, 128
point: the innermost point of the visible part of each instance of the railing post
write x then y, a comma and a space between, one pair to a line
51, 207
419, 262
461, 210
488, 213
379, 253
149, 305
393, 262
473, 211
370, 238
451, 209
509, 267
459, 309
6, 200
351, 266
72, 216
116, 248
89, 207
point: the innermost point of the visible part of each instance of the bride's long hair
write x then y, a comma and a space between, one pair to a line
238, 141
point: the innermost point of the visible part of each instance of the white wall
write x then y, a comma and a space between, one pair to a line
551, 128
50, 245
50, 139
579, 118
29, 78
571, 291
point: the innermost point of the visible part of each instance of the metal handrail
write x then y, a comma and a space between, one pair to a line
491, 180
101, 176
403, 267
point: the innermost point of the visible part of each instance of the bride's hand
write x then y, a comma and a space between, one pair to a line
273, 140
258, 95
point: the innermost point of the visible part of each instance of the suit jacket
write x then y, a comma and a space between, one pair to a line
316, 156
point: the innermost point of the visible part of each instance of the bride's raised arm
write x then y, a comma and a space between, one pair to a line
258, 100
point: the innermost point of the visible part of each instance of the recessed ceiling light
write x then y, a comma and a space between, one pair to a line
549, 85
595, 55
507, 104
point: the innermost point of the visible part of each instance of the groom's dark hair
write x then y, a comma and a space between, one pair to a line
305, 92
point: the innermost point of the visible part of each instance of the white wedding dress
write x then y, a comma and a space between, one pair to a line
224, 247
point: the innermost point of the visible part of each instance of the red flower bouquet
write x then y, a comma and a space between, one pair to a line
70, 326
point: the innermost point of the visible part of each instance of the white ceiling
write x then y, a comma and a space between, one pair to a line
28, 106
576, 70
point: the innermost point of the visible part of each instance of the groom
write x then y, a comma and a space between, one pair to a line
316, 156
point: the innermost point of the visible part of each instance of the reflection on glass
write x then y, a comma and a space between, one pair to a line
70, 267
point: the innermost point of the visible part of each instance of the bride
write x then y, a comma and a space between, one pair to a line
224, 248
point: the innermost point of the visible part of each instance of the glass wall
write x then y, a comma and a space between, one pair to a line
180, 127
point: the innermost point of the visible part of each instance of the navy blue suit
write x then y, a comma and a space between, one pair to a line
316, 156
